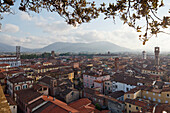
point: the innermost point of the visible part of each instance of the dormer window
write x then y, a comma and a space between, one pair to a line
24, 86
17, 88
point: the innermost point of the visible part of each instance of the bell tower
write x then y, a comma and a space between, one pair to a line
18, 52
157, 60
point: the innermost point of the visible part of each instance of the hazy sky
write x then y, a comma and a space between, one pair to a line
39, 30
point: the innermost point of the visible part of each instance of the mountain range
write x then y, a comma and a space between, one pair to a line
62, 47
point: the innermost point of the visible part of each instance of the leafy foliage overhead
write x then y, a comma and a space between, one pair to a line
80, 11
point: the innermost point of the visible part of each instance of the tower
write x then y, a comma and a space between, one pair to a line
144, 55
52, 54
157, 51
18, 52
116, 64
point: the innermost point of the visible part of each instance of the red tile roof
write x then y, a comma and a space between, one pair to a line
79, 103
19, 78
2, 65
60, 104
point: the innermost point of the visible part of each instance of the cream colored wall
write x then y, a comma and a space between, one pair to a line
132, 108
133, 95
162, 96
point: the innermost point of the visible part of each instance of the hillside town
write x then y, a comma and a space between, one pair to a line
102, 83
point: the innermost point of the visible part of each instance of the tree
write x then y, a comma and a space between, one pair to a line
80, 11
98, 106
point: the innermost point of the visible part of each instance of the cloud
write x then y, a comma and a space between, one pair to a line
55, 27
7, 39
25, 16
10, 28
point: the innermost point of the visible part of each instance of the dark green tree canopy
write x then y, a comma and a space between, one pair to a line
75, 12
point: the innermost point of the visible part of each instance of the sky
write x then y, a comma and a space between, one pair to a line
39, 30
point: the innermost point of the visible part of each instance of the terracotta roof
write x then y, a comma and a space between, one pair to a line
5, 56
83, 105
40, 108
2, 76
46, 79
90, 91
136, 89
125, 79
19, 78
60, 104
140, 103
105, 111
36, 103
117, 94
79, 103
2, 65
162, 107
28, 95
98, 81
54, 109
38, 86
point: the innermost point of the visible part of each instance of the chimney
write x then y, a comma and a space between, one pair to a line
53, 98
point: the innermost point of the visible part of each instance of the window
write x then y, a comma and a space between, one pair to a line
99, 100
144, 96
129, 111
159, 95
24, 86
109, 88
167, 95
105, 87
128, 96
149, 98
129, 105
127, 89
153, 93
146, 92
137, 108
17, 88
166, 101
159, 100
154, 99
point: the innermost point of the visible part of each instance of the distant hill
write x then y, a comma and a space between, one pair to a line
71, 47
83, 47
8, 48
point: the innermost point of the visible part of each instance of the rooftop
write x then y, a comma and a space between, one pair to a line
60, 104
19, 78
28, 95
